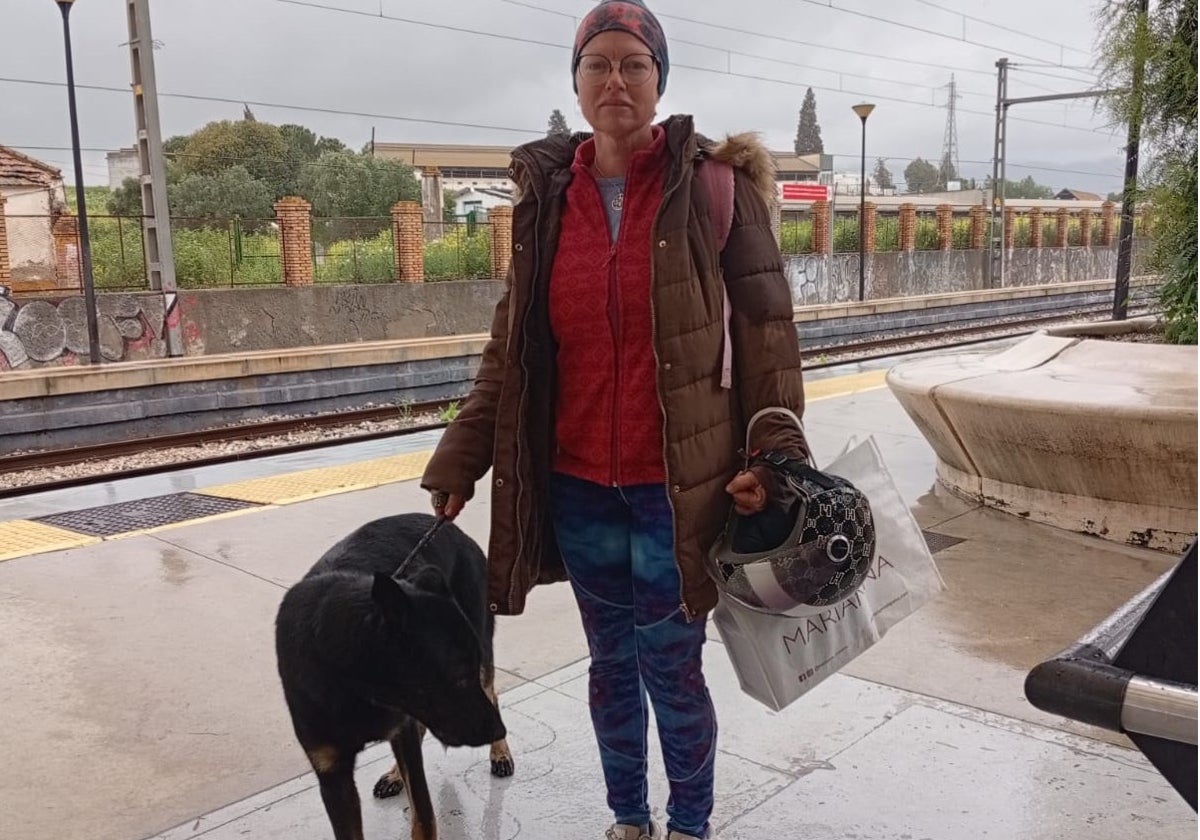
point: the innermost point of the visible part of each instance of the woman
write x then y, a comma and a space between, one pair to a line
605, 410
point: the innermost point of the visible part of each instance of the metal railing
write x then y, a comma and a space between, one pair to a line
1135, 672
353, 250
458, 249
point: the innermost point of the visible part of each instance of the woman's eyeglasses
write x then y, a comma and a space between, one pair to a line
636, 69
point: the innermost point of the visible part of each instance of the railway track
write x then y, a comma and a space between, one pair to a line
830, 356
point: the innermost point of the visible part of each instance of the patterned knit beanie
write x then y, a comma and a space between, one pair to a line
630, 16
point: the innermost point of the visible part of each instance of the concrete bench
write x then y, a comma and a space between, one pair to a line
1084, 434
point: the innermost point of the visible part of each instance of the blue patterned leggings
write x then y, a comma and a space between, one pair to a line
618, 547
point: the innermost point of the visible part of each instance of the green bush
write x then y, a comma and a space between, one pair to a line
926, 234
460, 255
845, 236
796, 237
887, 233
118, 257
358, 260
211, 257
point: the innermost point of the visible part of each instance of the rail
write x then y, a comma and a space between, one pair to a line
1135, 673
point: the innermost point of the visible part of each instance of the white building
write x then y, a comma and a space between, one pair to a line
122, 164
472, 199
33, 199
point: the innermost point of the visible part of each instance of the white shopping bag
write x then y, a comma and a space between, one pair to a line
777, 658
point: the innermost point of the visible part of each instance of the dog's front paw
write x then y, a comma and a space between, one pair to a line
502, 768
389, 785
503, 765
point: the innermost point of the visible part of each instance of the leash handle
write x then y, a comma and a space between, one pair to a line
421, 543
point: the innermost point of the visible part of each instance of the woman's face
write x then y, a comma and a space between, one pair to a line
610, 102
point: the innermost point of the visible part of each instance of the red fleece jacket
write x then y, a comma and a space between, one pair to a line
610, 418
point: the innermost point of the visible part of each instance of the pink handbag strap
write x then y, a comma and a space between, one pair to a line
718, 180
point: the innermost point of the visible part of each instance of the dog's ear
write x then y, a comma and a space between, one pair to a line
430, 579
390, 597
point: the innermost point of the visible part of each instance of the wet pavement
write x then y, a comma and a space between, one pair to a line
141, 699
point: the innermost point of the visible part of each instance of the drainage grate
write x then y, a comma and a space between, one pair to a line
143, 513
938, 542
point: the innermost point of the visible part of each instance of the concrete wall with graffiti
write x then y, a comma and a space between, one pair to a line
53, 331
50, 331
818, 279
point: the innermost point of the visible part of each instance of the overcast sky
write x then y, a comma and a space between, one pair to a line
290, 53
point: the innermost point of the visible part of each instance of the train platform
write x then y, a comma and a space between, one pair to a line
141, 699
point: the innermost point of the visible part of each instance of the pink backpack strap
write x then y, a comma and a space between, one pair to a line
718, 180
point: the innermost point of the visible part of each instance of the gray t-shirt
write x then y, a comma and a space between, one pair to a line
612, 190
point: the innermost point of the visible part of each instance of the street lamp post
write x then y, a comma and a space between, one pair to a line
863, 109
85, 243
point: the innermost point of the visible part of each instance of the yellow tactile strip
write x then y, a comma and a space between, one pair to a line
840, 386
323, 481
19, 537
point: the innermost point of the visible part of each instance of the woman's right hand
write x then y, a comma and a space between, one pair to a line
448, 505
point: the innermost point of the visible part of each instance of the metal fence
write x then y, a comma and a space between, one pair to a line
795, 232
40, 257
214, 252
353, 250
458, 249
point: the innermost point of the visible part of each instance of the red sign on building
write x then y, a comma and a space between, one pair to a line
805, 191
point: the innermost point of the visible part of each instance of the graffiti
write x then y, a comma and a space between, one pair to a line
817, 279
44, 333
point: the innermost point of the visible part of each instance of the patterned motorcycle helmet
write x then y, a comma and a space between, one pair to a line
811, 548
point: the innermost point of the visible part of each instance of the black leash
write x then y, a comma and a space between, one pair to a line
421, 543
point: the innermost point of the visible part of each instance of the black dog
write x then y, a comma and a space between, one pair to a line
366, 657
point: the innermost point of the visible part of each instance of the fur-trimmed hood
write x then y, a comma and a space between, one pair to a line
748, 153
543, 159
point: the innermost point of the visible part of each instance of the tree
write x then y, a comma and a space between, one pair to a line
882, 175
230, 192
1164, 41
125, 200
1025, 188
558, 124
808, 131
450, 205
946, 172
347, 184
259, 147
921, 176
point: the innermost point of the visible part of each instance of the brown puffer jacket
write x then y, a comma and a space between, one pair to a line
507, 422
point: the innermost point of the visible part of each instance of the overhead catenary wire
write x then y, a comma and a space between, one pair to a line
1001, 26
828, 4
317, 163
676, 65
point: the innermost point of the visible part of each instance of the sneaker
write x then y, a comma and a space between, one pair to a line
619, 831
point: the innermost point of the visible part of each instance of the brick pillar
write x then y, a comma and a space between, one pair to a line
822, 241
1085, 228
294, 215
1035, 227
1010, 227
501, 220
408, 236
5, 265
945, 227
1063, 218
67, 259
908, 227
1107, 224
868, 226
978, 227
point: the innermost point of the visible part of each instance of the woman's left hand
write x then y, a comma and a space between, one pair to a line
749, 494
